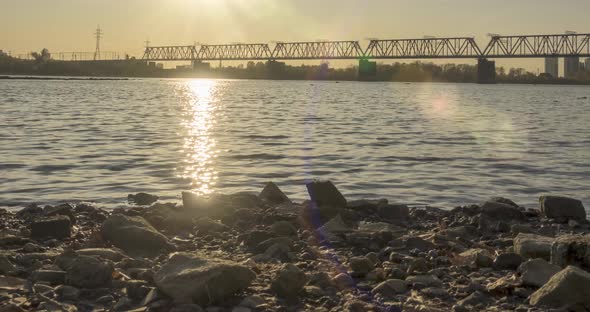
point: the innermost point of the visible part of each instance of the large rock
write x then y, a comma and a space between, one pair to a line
568, 289
332, 230
142, 199
219, 205
571, 250
391, 288
559, 207
478, 257
530, 246
501, 211
188, 278
89, 272
507, 261
393, 212
134, 235
272, 195
105, 253
288, 281
325, 198
49, 276
537, 272
51, 227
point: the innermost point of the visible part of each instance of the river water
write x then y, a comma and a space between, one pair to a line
422, 144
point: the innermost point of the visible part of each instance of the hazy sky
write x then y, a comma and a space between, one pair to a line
68, 25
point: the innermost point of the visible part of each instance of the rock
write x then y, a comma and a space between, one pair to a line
501, 211
380, 227
219, 205
507, 261
49, 276
569, 289
134, 235
537, 272
105, 253
571, 250
253, 301
393, 212
361, 266
63, 210
272, 194
533, 246
208, 225
137, 290
288, 281
426, 280
11, 283
142, 199
325, 198
391, 288
31, 247
343, 281
558, 207
479, 257
419, 243
434, 292
6, 267
187, 278
59, 227
89, 272
11, 240
67, 293
516, 229
335, 227
284, 228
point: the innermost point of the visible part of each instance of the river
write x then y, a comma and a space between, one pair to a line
423, 144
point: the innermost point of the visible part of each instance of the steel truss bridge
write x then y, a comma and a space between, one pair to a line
527, 46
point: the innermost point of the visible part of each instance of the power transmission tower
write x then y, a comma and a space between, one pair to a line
98, 34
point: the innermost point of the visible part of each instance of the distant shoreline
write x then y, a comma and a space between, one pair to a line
56, 78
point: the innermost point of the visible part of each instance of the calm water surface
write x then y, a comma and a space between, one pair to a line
437, 144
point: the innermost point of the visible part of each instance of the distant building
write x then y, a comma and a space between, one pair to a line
571, 67
552, 66
587, 64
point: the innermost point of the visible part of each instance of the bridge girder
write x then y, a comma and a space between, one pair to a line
323, 50
560, 45
461, 47
239, 51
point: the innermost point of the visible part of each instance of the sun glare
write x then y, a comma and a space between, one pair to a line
199, 145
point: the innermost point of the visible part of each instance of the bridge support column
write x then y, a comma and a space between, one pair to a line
367, 70
486, 71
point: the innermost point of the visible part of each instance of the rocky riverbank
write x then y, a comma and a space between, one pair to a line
262, 252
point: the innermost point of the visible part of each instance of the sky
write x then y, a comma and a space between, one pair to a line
68, 25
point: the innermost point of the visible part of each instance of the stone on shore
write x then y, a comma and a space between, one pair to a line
142, 199
361, 266
89, 272
272, 195
188, 278
134, 235
480, 258
326, 198
530, 246
537, 272
568, 289
499, 210
6, 267
333, 228
105, 253
391, 288
571, 250
288, 281
425, 280
58, 227
393, 212
507, 261
559, 207
49, 276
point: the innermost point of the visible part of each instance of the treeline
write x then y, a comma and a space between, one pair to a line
42, 64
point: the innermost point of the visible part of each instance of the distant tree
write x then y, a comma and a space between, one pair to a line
42, 57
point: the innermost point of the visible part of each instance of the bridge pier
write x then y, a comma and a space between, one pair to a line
367, 70
486, 71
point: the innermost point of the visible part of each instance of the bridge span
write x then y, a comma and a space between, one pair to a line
526, 46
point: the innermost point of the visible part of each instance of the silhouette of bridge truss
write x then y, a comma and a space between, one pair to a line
560, 45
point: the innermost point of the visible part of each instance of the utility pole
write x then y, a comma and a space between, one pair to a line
98, 34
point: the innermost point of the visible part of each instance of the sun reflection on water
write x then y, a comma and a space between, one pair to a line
200, 101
